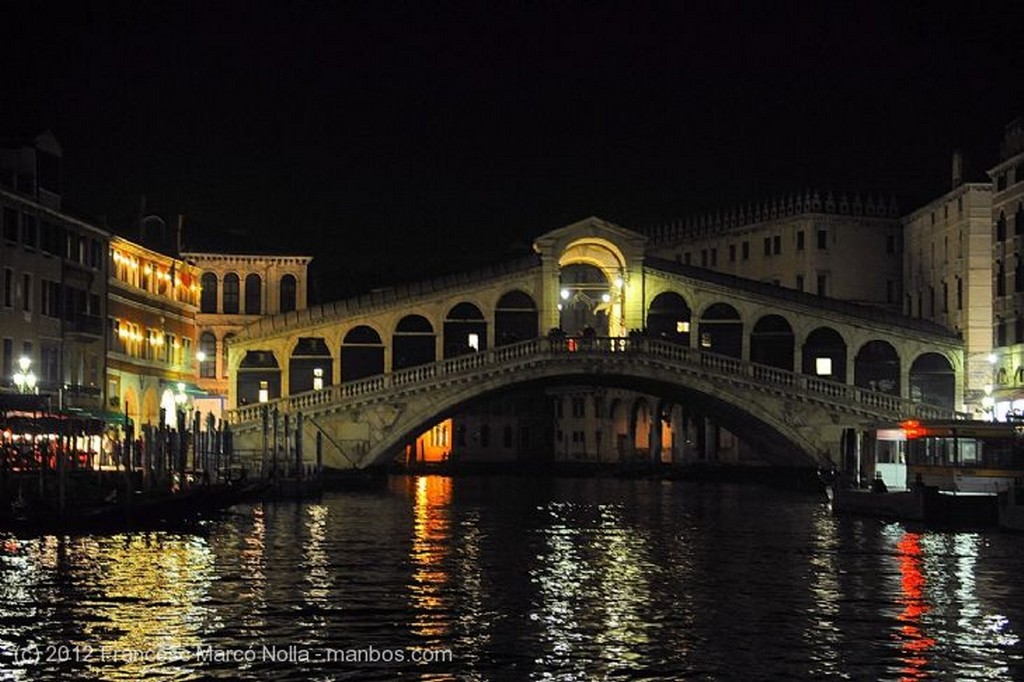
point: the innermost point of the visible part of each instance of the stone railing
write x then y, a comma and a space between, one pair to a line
671, 356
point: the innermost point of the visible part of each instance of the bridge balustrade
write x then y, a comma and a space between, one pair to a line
563, 348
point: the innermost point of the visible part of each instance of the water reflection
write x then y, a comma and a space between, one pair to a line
913, 642
430, 547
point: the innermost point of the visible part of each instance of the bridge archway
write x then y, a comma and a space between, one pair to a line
668, 318
413, 343
772, 342
933, 380
824, 354
642, 422
721, 330
465, 330
591, 287
310, 361
515, 318
877, 367
258, 371
362, 354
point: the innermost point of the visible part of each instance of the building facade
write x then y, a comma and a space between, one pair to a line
837, 247
151, 332
1007, 272
53, 282
947, 274
236, 290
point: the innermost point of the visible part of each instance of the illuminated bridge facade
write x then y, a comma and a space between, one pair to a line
788, 370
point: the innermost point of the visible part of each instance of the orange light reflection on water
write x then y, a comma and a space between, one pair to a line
431, 530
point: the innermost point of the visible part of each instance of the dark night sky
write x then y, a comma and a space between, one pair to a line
400, 140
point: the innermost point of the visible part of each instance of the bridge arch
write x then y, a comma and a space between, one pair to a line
465, 330
669, 317
258, 371
877, 367
824, 354
933, 380
772, 342
362, 353
592, 278
515, 318
721, 330
413, 342
310, 365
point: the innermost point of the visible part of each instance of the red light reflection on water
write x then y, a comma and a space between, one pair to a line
913, 642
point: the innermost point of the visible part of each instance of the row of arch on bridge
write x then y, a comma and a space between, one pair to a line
366, 350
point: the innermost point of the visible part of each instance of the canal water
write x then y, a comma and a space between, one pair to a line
507, 578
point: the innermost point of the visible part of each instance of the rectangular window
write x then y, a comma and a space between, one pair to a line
800, 240
822, 239
767, 246
8, 359
822, 285
10, 224
777, 245
746, 250
714, 258
29, 232
890, 291
26, 292
686, 257
799, 282
703, 258
8, 287
732, 253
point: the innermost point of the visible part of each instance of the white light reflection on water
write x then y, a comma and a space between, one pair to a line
823, 634
253, 572
592, 578
316, 571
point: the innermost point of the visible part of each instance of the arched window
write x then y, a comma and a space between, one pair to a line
231, 294
1000, 279
208, 297
287, 293
1001, 227
208, 347
253, 294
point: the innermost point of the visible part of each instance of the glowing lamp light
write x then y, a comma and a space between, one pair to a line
912, 429
473, 341
565, 294
264, 394
606, 298
318, 378
705, 340
25, 378
683, 326
992, 358
823, 366
201, 356
619, 282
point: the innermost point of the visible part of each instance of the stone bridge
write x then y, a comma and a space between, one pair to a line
792, 418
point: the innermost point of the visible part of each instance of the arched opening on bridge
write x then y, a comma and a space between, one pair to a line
310, 367
877, 367
721, 331
933, 381
584, 300
824, 354
258, 372
668, 318
465, 330
413, 343
362, 354
592, 288
664, 430
772, 343
515, 318
641, 421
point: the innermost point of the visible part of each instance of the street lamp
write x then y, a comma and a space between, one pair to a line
318, 378
25, 378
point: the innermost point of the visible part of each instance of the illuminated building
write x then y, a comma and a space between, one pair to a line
1007, 271
153, 298
836, 246
947, 273
235, 290
52, 280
